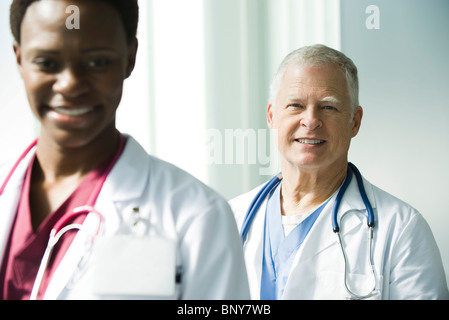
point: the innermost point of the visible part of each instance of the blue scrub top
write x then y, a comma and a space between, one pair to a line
279, 251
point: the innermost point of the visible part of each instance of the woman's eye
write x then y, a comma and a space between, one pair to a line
99, 62
46, 64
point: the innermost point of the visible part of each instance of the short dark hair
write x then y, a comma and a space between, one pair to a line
127, 9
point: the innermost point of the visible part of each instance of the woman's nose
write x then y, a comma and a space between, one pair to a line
70, 83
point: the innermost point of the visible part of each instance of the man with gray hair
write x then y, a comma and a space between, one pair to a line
320, 230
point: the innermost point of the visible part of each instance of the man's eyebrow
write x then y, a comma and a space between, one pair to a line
293, 98
330, 99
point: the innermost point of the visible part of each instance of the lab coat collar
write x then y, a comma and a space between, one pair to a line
253, 248
324, 237
123, 187
9, 200
129, 176
352, 199
320, 237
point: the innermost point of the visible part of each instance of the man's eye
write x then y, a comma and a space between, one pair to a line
329, 108
294, 105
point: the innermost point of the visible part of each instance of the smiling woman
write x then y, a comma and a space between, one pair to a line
82, 170
74, 97
74, 78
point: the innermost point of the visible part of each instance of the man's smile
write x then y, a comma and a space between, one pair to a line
310, 141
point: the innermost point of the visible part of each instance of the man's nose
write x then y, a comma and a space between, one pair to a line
311, 119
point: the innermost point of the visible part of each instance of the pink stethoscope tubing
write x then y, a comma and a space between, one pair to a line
60, 227
56, 233
22, 157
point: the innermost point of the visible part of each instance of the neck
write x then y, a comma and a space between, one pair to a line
58, 161
305, 189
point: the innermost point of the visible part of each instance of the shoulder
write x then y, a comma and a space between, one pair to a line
416, 270
181, 183
399, 219
245, 198
240, 204
172, 186
4, 166
389, 204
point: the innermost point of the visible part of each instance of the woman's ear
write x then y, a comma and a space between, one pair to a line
18, 54
132, 53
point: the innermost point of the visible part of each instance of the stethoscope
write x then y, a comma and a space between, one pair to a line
352, 169
62, 226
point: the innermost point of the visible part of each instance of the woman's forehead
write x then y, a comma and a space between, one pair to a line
50, 20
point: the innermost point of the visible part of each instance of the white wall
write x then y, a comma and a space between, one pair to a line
245, 41
403, 143
17, 125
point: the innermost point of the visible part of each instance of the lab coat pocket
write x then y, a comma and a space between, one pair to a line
135, 266
331, 285
363, 287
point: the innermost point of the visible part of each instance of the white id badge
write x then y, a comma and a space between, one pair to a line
127, 265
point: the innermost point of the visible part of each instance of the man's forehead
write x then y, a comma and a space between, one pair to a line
327, 79
314, 75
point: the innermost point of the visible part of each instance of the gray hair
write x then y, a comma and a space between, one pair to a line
318, 55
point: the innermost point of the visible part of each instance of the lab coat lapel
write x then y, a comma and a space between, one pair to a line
9, 200
254, 250
321, 236
254, 240
8, 207
121, 191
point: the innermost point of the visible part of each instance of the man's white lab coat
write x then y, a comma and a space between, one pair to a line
407, 260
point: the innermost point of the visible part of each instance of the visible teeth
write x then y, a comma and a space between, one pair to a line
308, 141
74, 112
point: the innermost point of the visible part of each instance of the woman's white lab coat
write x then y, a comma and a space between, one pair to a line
173, 205
407, 260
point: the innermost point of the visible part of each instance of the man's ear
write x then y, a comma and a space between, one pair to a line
132, 54
357, 121
18, 54
270, 116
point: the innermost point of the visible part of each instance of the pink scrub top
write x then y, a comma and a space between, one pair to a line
26, 246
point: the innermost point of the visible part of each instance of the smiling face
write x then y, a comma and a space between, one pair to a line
313, 118
74, 78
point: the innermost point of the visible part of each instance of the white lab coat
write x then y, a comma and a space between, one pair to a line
406, 257
174, 204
